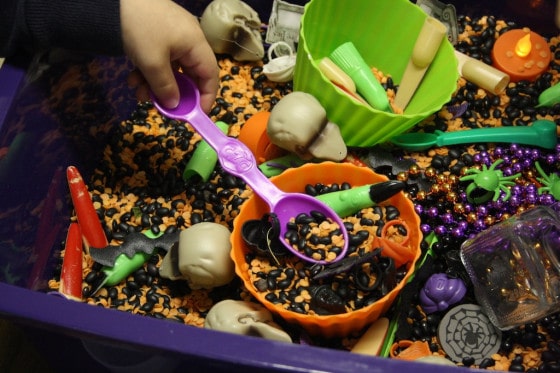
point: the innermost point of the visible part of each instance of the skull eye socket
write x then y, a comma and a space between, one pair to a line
243, 21
246, 319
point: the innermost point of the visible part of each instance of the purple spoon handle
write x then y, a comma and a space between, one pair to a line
235, 157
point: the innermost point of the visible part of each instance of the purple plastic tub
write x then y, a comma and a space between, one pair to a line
34, 216
76, 336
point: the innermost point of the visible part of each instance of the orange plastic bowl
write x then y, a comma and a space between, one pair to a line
294, 180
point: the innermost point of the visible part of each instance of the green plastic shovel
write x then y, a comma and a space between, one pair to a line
541, 133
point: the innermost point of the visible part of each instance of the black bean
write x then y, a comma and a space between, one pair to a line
284, 284
487, 363
304, 230
275, 272
468, 361
196, 218
295, 307
271, 283
140, 277
272, 298
91, 277
318, 216
261, 285
155, 229
292, 236
392, 212
358, 238
162, 211
290, 272
304, 218
147, 307
367, 222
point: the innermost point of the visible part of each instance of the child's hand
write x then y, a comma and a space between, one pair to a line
158, 36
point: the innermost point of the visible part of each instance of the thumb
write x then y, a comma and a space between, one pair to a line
163, 85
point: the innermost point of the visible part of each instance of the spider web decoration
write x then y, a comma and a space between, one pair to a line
465, 331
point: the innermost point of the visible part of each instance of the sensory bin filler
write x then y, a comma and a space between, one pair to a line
424, 154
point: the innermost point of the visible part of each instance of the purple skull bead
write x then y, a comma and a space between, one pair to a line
440, 292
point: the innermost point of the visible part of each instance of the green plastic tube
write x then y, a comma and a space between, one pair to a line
204, 158
348, 202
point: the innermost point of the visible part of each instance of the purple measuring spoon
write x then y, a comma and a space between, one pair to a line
236, 158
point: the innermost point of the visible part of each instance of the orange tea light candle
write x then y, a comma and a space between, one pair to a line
522, 54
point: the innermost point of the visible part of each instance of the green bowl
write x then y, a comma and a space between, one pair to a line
384, 32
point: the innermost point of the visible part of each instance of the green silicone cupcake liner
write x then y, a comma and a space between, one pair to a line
384, 32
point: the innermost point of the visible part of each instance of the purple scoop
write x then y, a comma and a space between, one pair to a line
236, 158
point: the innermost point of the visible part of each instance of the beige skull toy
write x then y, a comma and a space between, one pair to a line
298, 123
244, 318
201, 257
233, 27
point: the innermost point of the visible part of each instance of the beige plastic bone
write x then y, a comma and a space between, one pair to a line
481, 74
426, 46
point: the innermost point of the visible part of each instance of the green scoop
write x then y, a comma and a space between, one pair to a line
541, 133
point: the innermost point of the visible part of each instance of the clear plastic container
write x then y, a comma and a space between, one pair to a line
515, 267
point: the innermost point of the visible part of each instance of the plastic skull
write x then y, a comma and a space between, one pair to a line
233, 27
298, 123
245, 318
201, 257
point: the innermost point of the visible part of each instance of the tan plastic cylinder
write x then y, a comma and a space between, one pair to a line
481, 74
428, 42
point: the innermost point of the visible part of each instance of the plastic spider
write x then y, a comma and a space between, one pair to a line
488, 182
551, 183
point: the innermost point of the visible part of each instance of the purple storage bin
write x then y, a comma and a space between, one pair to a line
75, 336
70, 334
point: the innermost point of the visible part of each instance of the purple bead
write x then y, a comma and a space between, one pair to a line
513, 148
481, 211
514, 201
550, 159
463, 225
418, 209
425, 228
516, 189
498, 151
517, 168
440, 230
507, 159
531, 188
507, 171
531, 198
479, 224
457, 232
546, 199
535, 154
477, 157
433, 212
527, 163
447, 218
498, 204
